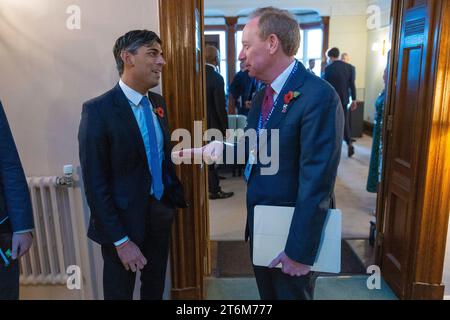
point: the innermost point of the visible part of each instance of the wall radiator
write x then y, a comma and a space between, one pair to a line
57, 233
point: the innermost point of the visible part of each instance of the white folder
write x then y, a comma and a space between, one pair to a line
271, 229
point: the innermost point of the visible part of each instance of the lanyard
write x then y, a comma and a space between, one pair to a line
262, 125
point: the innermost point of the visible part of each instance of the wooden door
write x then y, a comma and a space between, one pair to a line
183, 88
414, 94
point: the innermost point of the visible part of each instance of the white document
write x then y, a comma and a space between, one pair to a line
271, 229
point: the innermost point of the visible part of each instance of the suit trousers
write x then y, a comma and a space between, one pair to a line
9, 276
118, 283
213, 179
347, 127
273, 284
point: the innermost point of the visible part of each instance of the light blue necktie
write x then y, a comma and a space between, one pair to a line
154, 162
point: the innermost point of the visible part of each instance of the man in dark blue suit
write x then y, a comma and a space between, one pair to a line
308, 115
341, 75
16, 216
241, 90
130, 181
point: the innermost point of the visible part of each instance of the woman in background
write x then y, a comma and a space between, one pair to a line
377, 146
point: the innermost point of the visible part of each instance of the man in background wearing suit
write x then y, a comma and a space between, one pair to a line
346, 58
308, 115
130, 181
216, 114
241, 91
16, 216
312, 65
341, 76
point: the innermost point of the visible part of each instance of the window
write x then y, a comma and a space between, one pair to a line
311, 48
238, 49
218, 39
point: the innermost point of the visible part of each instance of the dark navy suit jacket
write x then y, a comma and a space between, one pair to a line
341, 76
115, 169
15, 200
216, 111
310, 146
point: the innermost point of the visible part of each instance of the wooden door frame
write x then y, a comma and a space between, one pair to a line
183, 83
433, 200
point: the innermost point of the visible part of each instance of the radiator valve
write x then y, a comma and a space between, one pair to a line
67, 180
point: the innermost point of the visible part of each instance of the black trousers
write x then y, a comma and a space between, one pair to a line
118, 283
213, 179
347, 127
273, 284
9, 276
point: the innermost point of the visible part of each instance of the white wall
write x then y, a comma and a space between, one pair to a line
446, 277
376, 63
48, 71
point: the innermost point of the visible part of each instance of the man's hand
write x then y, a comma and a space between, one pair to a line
248, 104
131, 256
290, 267
212, 151
209, 153
21, 243
354, 106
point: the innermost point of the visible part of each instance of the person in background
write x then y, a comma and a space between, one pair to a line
216, 115
341, 76
345, 57
241, 90
312, 65
374, 177
16, 215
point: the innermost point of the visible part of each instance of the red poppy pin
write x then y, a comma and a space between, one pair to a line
288, 98
159, 111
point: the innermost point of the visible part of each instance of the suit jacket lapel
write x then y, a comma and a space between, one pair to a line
123, 108
160, 120
294, 83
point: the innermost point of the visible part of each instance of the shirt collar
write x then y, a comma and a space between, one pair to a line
131, 94
209, 64
278, 83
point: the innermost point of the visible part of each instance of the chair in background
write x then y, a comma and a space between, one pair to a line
236, 122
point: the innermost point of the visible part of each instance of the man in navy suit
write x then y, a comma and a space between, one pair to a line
216, 114
130, 181
341, 75
16, 216
308, 114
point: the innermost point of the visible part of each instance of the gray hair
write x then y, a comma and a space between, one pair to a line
280, 23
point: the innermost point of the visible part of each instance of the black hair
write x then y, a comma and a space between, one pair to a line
333, 53
131, 42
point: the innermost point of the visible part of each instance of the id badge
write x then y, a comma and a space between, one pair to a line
249, 166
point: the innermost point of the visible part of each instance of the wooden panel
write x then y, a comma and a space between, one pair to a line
183, 88
407, 105
415, 190
435, 179
231, 46
326, 40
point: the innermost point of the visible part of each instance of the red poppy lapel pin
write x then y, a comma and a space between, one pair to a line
288, 98
159, 112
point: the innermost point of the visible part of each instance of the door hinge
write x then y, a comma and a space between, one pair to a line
390, 122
